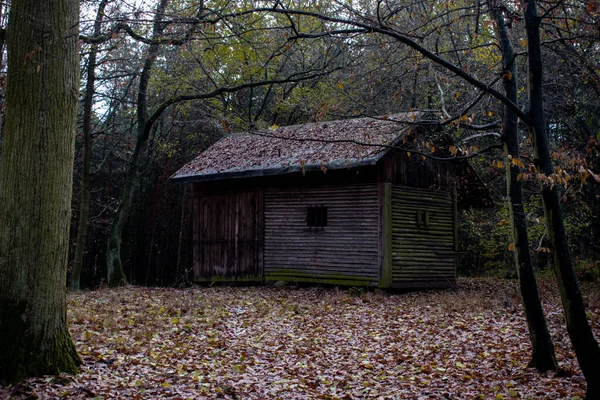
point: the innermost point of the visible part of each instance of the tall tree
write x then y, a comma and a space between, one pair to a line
116, 275
35, 188
88, 100
543, 357
581, 335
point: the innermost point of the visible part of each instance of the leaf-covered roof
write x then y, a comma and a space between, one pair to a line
299, 148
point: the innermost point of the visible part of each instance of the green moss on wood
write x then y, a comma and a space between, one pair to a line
229, 279
295, 275
29, 351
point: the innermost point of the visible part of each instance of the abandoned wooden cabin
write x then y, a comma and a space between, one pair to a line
332, 202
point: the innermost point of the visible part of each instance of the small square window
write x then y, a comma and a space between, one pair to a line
316, 216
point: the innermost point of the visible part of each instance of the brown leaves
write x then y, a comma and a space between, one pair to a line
290, 343
321, 144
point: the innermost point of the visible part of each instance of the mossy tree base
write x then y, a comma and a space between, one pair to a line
116, 275
33, 353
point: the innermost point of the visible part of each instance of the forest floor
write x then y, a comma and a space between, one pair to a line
307, 343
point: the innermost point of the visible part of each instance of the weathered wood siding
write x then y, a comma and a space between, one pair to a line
423, 247
228, 236
346, 251
414, 171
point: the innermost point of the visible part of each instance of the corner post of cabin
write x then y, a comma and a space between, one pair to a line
197, 215
455, 215
386, 234
455, 212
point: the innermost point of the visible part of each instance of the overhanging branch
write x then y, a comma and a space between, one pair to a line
227, 89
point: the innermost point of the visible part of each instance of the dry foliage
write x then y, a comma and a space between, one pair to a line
291, 343
333, 144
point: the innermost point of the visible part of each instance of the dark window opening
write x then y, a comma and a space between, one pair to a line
422, 218
316, 216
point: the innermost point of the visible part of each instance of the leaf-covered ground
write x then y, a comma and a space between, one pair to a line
299, 343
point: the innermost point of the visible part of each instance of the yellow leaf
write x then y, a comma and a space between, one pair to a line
523, 42
273, 127
517, 162
511, 247
175, 320
408, 154
238, 368
165, 384
519, 177
453, 150
340, 86
490, 114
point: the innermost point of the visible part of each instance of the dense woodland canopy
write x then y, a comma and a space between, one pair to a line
255, 69
162, 80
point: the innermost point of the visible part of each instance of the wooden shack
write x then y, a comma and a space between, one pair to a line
339, 202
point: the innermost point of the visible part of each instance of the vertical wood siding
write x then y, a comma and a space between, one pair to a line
228, 234
346, 251
422, 255
397, 167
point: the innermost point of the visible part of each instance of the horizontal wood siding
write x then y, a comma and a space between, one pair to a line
423, 255
228, 234
346, 251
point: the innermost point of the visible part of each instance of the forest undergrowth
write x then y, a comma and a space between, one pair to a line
297, 343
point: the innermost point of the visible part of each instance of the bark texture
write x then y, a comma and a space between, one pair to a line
84, 210
543, 357
582, 338
35, 188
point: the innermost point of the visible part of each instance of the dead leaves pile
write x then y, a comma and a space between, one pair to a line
290, 343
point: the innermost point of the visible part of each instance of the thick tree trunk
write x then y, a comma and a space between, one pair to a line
543, 357
114, 265
35, 188
585, 345
88, 101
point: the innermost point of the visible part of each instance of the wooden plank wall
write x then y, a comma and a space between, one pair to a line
346, 251
423, 255
414, 171
228, 233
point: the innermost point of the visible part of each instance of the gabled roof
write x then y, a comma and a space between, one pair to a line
299, 148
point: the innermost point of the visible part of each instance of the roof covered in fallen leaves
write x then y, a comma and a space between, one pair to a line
299, 148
